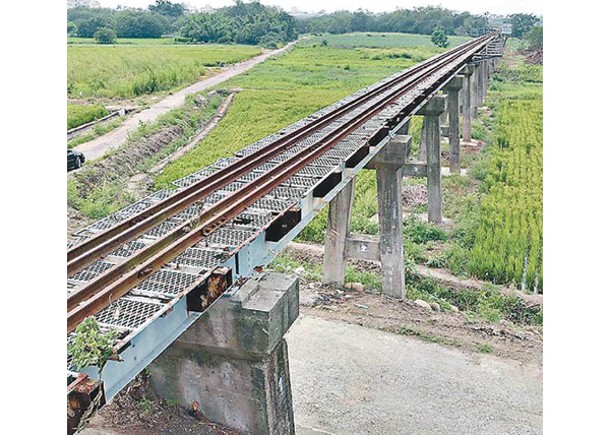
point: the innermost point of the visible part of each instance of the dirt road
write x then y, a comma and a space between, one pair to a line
97, 147
348, 379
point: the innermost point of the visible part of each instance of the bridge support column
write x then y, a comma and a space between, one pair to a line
233, 361
422, 155
485, 74
467, 109
388, 164
432, 111
453, 87
474, 91
339, 226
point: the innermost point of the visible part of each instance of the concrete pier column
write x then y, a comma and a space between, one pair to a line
467, 109
453, 87
422, 156
388, 164
233, 361
432, 111
474, 91
339, 226
485, 74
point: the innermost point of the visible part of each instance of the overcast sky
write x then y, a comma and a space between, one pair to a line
473, 6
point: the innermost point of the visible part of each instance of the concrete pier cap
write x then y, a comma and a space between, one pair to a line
233, 361
434, 107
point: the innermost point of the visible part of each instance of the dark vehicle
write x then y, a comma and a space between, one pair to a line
75, 159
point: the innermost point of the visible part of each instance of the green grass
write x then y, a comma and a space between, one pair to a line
125, 41
381, 40
279, 92
79, 114
96, 131
127, 71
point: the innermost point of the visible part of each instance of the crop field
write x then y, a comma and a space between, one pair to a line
122, 41
79, 114
381, 40
282, 91
127, 71
509, 239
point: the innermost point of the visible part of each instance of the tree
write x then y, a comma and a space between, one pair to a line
439, 38
104, 35
88, 27
164, 7
522, 23
72, 29
138, 24
535, 38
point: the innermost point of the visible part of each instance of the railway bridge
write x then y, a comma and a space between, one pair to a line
179, 276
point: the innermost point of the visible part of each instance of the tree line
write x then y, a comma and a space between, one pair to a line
254, 23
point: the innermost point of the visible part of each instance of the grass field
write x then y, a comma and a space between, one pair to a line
381, 40
282, 91
127, 71
79, 114
122, 41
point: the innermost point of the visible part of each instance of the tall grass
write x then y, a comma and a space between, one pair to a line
128, 71
79, 114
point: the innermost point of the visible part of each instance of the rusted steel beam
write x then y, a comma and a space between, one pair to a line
85, 396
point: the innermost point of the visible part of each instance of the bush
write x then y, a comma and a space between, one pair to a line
104, 35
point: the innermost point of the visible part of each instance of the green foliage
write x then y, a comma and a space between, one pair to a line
485, 348
165, 7
91, 346
72, 29
438, 38
509, 240
128, 71
139, 24
522, 23
420, 20
79, 114
243, 23
534, 38
422, 232
103, 35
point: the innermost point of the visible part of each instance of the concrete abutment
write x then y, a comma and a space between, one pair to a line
233, 361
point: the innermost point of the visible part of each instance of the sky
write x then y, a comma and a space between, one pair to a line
502, 7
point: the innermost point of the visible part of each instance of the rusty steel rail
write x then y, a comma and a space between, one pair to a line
116, 282
96, 247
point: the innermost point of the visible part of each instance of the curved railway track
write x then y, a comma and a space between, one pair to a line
328, 130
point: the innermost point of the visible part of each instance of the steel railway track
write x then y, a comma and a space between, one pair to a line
328, 130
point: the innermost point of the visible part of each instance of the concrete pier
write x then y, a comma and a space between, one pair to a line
432, 111
339, 226
474, 91
233, 361
453, 87
467, 109
388, 164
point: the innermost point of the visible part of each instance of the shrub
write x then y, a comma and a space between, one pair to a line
104, 35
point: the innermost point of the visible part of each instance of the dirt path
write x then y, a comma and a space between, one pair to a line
97, 147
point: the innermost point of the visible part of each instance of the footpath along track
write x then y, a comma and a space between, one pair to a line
173, 253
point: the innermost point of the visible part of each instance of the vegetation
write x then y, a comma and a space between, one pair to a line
534, 38
79, 114
91, 346
285, 90
421, 20
522, 23
393, 41
508, 243
130, 71
108, 193
438, 37
243, 23
103, 35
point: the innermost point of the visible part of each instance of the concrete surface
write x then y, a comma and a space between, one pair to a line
97, 147
347, 379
